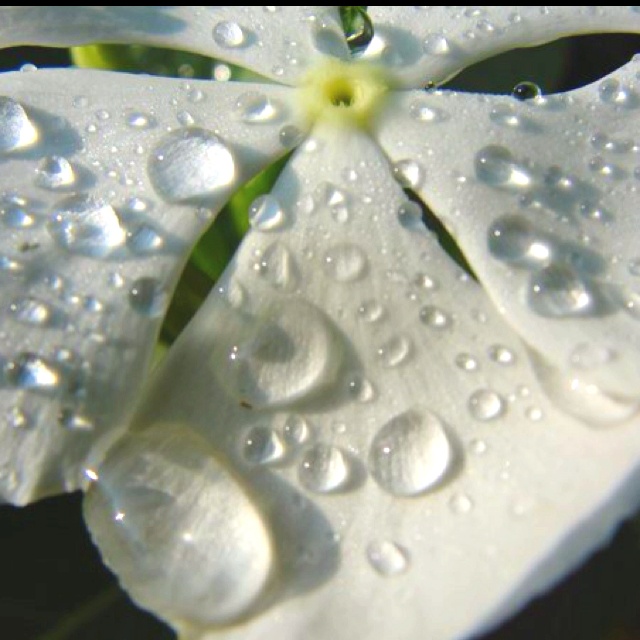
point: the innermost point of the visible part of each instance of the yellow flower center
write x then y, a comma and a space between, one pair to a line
343, 94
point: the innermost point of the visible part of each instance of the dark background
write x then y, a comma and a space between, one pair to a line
53, 585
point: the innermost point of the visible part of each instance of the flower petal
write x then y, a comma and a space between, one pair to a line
546, 213
107, 181
384, 420
276, 42
432, 44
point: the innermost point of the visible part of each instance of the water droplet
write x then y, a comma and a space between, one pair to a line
360, 388
424, 112
16, 213
16, 418
466, 362
145, 511
55, 172
266, 214
87, 226
139, 120
506, 115
513, 239
479, 447
31, 311
11, 267
410, 454
435, 44
145, 239
31, 371
410, 216
345, 262
434, 317
324, 469
486, 405
387, 558
501, 354
16, 129
395, 351
526, 91
280, 357
461, 504
497, 167
370, 311
535, 414
612, 91
408, 173
192, 164
290, 136
148, 297
296, 430
557, 291
255, 108
278, 267
229, 35
262, 445
73, 421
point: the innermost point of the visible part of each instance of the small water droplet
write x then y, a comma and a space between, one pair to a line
145, 239
425, 113
266, 214
87, 226
410, 216
506, 115
535, 414
16, 213
513, 239
139, 120
16, 418
324, 469
558, 291
255, 108
148, 297
434, 317
262, 445
410, 454
290, 136
435, 44
408, 173
497, 167
360, 388
296, 430
229, 35
16, 129
395, 351
55, 172
387, 558
192, 164
345, 262
502, 355
73, 421
526, 91
486, 405
370, 311
466, 362
461, 504
477, 446
278, 267
31, 311
612, 91
31, 371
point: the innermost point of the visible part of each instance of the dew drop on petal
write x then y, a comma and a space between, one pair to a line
370, 311
387, 558
229, 35
16, 418
461, 504
16, 129
410, 216
360, 388
410, 454
486, 405
526, 91
466, 362
31, 311
192, 164
31, 371
502, 355
180, 532
266, 214
55, 172
296, 430
497, 167
145, 239
324, 469
148, 297
262, 445
16, 213
290, 136
395, 351
513, 239
434, 317
255, 107
436, 44
345, 262
85, 225
408, 173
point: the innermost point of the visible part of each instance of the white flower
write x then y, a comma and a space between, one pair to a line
354, 438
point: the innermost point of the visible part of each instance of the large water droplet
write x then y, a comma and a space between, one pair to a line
558, 291
497, 167
148, 297
266, 213
387, 558
31, 371
87, 226
513, 239
287, 354
255, 107
16, 130
182, 535
410, 454
345, 262
486, 405
55, 172
192, 164
324, 469
229, 35
262, 445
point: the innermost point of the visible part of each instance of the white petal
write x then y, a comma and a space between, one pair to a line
103, 191
543, 198
386, 423
277, 42
431, 44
